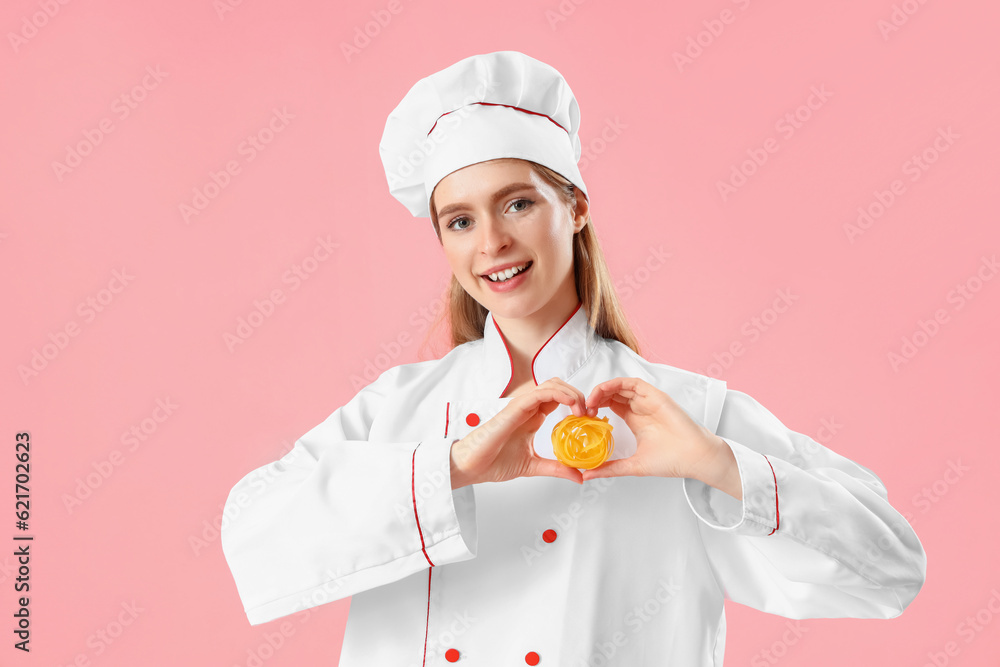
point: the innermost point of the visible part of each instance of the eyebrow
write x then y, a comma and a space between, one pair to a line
499, 194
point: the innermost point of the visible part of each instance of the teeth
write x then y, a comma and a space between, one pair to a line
506, 274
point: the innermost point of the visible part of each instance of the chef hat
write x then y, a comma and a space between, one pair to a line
489, 106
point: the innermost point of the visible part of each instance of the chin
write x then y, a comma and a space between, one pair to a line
510, 310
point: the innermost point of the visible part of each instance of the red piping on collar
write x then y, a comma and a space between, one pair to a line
494, 104
511, 359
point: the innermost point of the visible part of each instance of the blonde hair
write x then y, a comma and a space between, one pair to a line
594, 285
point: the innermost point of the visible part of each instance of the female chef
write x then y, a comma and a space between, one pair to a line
434, 499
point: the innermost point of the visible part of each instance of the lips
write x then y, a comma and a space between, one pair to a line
502, 275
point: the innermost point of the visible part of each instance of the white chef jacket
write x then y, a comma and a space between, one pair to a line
541, 570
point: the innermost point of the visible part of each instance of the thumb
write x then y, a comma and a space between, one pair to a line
616, 468
551, 468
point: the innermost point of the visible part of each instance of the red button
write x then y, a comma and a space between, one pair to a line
472, 419
451, 655
549, 535
531, 658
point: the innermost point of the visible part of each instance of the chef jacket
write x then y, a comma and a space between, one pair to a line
542, 570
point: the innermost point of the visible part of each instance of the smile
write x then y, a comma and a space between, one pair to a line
507, 274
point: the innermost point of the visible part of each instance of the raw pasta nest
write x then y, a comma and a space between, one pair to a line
583, 442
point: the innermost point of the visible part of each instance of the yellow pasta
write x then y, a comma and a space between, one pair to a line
583, 442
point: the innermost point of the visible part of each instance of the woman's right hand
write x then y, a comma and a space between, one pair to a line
501, 448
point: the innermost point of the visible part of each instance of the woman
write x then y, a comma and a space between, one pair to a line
434, 499
539, 236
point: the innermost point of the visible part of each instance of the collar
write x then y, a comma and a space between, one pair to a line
564, 353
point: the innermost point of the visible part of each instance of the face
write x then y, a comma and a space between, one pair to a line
500, 214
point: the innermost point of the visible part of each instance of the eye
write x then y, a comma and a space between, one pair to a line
526, 202
451, 225
455, 222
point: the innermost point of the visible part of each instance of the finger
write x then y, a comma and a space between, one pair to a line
539, 397
616, 468
550, 468
618, 386
599, 394
515, 417
497, 430
552, 393
610, 399
580, 401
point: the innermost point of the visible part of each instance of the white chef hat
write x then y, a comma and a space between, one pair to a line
488, 106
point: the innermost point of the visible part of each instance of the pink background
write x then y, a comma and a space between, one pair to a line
659, 137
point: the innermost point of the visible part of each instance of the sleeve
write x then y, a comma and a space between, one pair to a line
339, 514
814, 536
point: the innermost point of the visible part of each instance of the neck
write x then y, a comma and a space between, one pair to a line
526, 335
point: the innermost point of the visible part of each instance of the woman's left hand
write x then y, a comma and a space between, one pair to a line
668, 442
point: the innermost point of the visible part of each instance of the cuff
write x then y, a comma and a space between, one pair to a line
756, 514
445, 517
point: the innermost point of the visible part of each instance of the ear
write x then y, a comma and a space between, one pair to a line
580, 212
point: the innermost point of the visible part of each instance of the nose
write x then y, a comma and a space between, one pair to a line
494, 236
